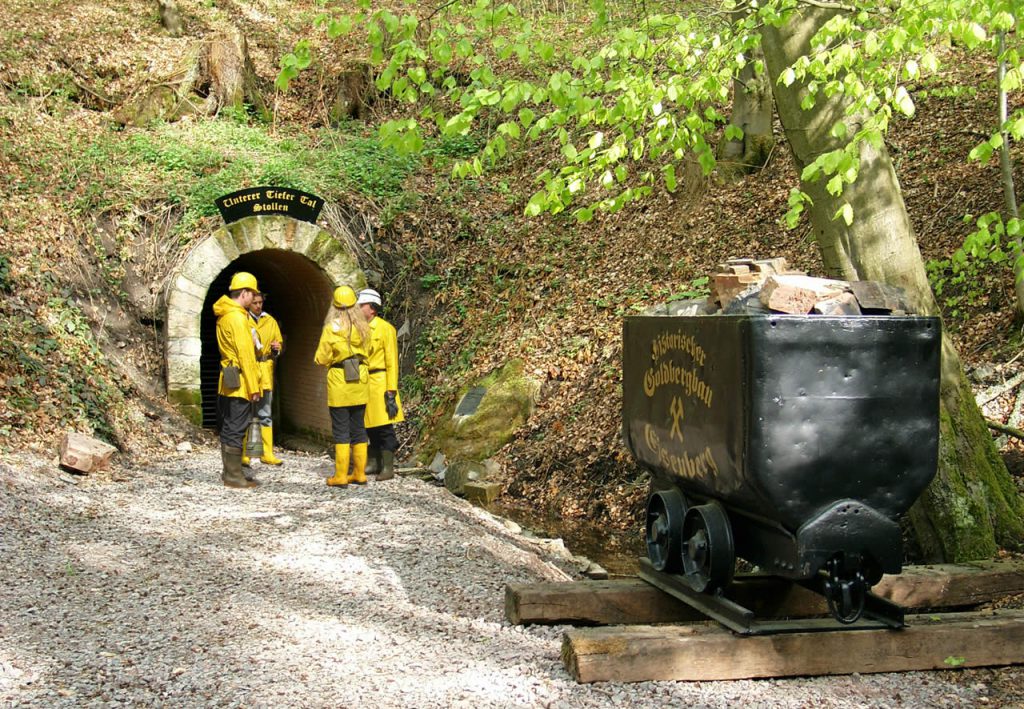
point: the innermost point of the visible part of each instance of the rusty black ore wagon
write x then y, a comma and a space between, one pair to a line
791, 441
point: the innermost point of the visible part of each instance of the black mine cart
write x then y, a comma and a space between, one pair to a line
793, 442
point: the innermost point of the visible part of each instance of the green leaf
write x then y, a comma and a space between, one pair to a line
284, 78
526, 117
788, 77
339, 26
487, 97
903, 102
811, 172
669, 173
1011, 81
981, 152
442, 53
733, 132
707, 161
537, 204
418, 74
871, 43
510, 129
458, 124
584, 215
846, 212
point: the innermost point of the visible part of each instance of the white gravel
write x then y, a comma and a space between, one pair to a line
167, 589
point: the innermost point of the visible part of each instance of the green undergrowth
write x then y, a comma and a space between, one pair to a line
56, 376
190, 164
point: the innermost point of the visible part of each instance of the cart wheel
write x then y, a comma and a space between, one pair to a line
708, 554
665, 512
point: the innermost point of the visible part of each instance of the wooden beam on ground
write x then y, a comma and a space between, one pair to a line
707, 651
635, 601
953, 585
629, 600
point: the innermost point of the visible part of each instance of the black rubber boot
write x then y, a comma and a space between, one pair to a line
232, 475
387, 466
372, 460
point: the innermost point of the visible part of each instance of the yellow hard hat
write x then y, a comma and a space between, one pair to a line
344, 297
243, 280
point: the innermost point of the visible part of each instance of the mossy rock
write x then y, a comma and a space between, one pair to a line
156, 105
460, 472
509, 397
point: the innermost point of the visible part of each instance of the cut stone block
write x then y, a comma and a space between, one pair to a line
482, 492
84, 454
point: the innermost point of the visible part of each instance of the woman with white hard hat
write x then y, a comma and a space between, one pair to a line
384, 407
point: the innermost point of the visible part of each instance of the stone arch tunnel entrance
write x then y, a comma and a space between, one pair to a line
297, 265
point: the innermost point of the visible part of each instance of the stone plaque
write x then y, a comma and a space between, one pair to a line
470, 402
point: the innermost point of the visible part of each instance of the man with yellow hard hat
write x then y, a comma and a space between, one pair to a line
269, 345
240, 377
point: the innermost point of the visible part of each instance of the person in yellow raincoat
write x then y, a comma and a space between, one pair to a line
384, 408
269, 345
237, 350
342, 349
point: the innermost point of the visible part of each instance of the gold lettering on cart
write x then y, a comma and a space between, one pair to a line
682, 464
687, 379
679, 342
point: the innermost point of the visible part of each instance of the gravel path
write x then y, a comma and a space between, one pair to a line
167, 589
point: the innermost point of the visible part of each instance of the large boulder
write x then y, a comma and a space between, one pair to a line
487, 414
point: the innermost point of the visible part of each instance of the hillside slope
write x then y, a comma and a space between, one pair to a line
97, 214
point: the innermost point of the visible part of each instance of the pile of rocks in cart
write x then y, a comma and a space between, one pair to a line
766, 286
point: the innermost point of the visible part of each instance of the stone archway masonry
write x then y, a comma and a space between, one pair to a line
189, 284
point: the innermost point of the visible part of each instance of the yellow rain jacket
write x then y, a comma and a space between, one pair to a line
237, 347
383, 365
268, 331
335, 345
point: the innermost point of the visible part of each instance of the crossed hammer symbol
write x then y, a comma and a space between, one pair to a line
676, 409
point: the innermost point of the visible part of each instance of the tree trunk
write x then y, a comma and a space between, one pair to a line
170, 18
1006, 170
752, 112
972, 504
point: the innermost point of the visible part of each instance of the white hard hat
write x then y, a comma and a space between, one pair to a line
369, 295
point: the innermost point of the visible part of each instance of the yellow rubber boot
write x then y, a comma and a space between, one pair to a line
268, 457
341, 455
245, 458
359, 463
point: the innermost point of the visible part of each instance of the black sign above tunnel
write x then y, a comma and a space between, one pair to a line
279, 201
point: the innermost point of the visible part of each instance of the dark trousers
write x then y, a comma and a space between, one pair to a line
383, 437
347, 424
235, 417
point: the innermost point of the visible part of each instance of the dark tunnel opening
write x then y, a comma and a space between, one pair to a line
297, 293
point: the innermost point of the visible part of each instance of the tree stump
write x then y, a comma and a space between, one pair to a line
219, 75
354, 94
227, 74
